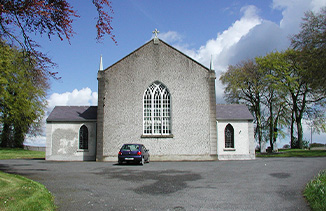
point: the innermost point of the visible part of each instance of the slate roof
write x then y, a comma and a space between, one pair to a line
73, 114
89, 113
233, 112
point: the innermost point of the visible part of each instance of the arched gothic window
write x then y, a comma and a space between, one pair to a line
83, 137
157, 110
229, 136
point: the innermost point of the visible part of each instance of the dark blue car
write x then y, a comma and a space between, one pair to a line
133, 153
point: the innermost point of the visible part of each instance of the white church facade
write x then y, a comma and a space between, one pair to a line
159, 97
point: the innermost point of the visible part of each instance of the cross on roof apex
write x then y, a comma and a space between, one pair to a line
156, 32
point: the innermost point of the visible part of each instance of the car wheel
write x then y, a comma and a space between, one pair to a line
119, 162
142, 161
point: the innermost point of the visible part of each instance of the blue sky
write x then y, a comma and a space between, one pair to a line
227, 30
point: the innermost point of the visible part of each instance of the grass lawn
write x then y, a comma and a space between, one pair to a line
315, 192
294, 153
20, 193
8, 153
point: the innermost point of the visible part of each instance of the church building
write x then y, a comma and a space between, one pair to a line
159, 97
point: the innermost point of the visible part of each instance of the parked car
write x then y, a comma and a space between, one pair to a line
133, 153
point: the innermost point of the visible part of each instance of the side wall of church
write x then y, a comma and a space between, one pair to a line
244, 148
63, 141
189, 85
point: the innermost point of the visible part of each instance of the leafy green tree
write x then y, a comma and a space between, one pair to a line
274, 65
244, 85
294, 86
311, 42
22, 95
278, 91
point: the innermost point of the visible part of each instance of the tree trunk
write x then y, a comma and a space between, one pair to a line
5, 135
295, 116
259, 132
275, 134
298, 119
300, 133
19, 137
292, 130
271, 126
258, 119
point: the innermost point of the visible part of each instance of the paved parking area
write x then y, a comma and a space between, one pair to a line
261, 184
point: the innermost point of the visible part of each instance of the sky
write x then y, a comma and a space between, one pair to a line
228, 31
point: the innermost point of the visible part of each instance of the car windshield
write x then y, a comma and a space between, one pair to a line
130, 147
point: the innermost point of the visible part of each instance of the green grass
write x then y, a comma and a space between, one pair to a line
9, 153
294, 153
20, 193
315, 192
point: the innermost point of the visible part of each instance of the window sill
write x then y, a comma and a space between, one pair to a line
229, 149
157, 136
82, 150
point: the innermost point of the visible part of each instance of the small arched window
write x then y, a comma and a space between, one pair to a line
229, 136
157, 110
83, 137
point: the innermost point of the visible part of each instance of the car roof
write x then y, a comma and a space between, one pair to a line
134, 144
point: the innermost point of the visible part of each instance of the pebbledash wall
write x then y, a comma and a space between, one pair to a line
62, 141
120, 105
244, 145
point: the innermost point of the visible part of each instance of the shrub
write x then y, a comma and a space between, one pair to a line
315, 192
286, 146
305, 144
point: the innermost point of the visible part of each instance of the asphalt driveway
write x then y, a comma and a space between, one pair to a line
261, 184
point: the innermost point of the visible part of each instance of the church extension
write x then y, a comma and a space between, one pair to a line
159, 97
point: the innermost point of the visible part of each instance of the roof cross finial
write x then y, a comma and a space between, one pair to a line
156, 32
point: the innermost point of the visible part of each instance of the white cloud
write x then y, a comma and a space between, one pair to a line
226, 39
81, 97
170, 37
252, 36
222, 47
293, 11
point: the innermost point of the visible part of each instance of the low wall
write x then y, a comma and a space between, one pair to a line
34, 148
318, 148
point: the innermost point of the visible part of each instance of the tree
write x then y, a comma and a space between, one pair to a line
25, 71
244, 85
291, 82
22, 95
311, 42
294, 87
275, 68
19, 18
